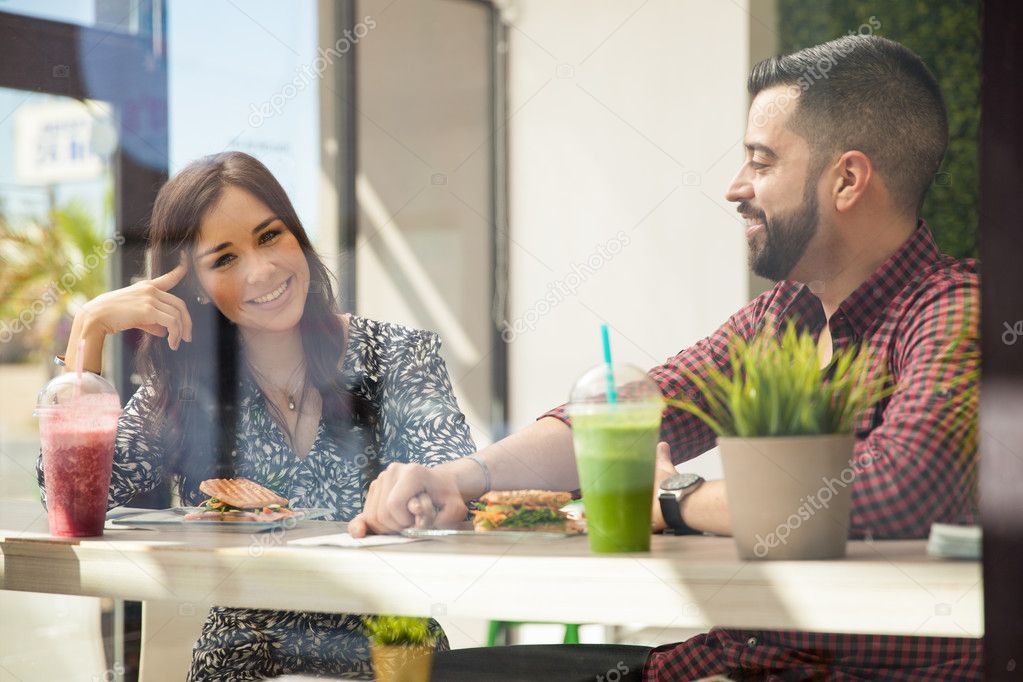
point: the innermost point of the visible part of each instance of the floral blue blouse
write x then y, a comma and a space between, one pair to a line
396, 370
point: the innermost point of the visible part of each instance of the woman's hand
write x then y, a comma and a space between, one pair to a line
406, 495
145, 305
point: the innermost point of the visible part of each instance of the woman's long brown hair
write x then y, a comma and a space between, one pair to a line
195, 386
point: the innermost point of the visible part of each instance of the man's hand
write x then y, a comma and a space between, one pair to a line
405, 495
665, 470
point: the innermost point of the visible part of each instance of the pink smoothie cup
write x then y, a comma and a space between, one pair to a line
77, 427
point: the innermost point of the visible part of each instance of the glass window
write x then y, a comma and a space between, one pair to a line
425, 184
57, 240
127, 16
254, 88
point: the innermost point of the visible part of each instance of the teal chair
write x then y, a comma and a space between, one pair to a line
496, 627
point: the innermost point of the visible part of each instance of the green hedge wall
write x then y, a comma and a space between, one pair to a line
946, 35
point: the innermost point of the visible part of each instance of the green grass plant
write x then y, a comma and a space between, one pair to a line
399, 631
776, 387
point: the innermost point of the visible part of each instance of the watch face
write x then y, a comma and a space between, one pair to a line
680, 481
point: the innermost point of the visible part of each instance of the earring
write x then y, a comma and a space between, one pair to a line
201, 300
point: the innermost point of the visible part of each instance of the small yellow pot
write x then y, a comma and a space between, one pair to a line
401, 663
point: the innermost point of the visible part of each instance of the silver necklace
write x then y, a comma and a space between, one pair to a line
291, 395
292, 403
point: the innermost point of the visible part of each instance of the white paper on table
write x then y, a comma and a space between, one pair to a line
346, 540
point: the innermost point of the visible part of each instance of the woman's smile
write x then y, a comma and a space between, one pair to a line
276, 297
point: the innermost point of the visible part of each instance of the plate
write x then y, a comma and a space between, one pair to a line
465, 533
174, 519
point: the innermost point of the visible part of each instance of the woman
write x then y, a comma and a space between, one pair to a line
317, 402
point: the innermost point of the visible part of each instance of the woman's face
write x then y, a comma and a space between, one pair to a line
250, 265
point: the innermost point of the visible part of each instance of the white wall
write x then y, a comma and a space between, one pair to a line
424, 183
627, 117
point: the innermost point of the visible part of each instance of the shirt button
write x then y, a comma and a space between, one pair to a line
751, 642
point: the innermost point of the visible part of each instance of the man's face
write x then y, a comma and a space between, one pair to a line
776, 197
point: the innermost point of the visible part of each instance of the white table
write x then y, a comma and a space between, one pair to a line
889, 587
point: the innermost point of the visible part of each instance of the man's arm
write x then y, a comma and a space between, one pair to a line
705, 509
919, 466
541, 455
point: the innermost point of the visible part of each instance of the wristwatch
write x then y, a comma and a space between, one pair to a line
672, 491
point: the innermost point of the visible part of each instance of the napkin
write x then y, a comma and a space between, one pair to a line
346, 540
960, 542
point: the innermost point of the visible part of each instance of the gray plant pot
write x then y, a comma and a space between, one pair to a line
789, 496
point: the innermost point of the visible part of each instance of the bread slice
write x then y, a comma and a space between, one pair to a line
241, 493
528, 498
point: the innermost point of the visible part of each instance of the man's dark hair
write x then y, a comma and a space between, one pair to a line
870, 94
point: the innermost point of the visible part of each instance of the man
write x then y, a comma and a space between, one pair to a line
842, 142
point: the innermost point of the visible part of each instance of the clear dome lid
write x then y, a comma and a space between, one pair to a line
94, 393
624, 384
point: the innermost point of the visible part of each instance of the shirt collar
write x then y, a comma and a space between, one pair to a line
878, 292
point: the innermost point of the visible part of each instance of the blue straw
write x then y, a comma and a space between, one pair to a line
612, 394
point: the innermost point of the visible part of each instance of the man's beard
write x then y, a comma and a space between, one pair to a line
784, 239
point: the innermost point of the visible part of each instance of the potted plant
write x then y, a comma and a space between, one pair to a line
785, 431
401, 647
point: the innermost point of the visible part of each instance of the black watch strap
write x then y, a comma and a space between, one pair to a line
671, 510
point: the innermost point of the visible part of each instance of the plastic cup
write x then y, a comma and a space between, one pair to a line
615, 451
77, 427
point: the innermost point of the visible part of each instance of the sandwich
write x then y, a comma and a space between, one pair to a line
239, 499
523, 510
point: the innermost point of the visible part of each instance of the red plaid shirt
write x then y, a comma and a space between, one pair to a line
921, 462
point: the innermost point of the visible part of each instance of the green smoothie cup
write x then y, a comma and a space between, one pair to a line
616, 423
